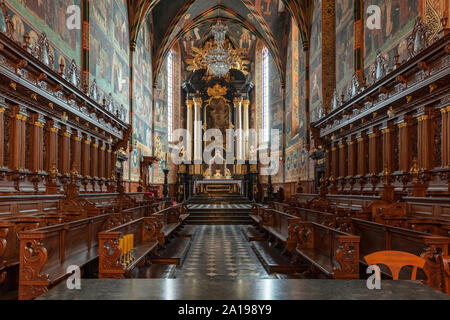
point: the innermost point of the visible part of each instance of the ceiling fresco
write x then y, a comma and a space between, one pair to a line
188, 21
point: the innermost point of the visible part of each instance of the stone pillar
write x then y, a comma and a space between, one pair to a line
198, 135
239, 126
445, 137
245, 110
190, 128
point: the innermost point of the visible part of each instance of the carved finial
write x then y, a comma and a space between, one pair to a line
53, 172
415, 170
73, 174
386, 175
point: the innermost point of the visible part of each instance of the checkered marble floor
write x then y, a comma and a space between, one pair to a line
219, 206
221, 252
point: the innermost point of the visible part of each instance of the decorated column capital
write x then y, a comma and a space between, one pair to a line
190, 103
237, 101
198, 102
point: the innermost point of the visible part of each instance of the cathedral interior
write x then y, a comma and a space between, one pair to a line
217, 149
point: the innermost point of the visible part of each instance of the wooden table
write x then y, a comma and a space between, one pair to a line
258, 289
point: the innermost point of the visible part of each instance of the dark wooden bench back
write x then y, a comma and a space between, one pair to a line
281, 226
334, 251
45, 253
145, 232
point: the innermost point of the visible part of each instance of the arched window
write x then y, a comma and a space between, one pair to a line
170, 95
265, 95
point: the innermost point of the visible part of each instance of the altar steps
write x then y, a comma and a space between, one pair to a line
219, 199
219, 214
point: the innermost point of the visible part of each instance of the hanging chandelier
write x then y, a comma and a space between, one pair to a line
219, 60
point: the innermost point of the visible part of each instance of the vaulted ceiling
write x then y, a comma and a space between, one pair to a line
173, 20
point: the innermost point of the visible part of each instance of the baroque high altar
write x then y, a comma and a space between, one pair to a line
219, 103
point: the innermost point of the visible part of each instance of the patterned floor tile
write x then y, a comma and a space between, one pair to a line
222, 253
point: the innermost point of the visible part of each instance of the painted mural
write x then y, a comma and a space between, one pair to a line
34, 17
316, 62
295, 109
142, 96
109, 49
344, 44
397, 21
275, 97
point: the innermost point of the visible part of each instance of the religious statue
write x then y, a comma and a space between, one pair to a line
335, 103
252, 153
158, 148
227, 173
181, 153
379, 69
217, 174
207, 172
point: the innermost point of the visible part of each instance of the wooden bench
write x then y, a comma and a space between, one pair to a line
445, 265
283, 207
334, 253
172, 219
146, 232
58, 245
280, 227
45, 253
10, 228
256, 213
273, 261
173, 253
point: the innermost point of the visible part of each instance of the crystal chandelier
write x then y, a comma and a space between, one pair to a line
219, 60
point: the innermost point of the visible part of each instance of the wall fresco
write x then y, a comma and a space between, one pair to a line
316, 63
344, 44
397, 21
34, 17
109, 49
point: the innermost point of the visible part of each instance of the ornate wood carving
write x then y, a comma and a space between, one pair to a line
347, 255
33, 256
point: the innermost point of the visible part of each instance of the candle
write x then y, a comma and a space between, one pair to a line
131, 241
166, 160
121, 245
